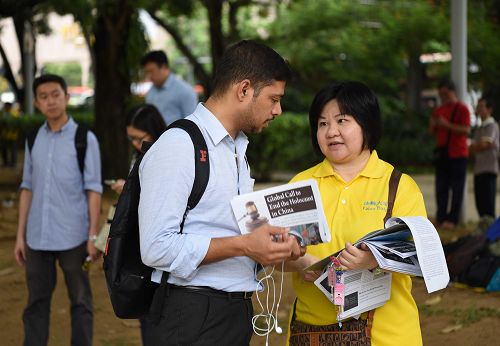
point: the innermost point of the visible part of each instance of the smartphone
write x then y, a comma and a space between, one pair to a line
110, 181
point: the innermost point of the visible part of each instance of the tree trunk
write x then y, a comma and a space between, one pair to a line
217, 42
112, 84
19, 18
8, 73
414, 89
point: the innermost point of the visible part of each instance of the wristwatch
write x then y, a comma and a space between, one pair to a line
93, 238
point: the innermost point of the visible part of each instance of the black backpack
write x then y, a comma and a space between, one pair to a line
128, 278
80, 143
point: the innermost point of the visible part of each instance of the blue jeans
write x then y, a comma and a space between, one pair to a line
41, 276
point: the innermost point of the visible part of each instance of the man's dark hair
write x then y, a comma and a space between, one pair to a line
49, 78
355, 99
250, 60
156, 56
447, 83
487, 101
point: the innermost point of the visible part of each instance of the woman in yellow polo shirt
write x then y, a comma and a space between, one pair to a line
345, 127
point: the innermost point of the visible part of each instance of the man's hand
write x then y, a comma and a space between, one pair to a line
20, 251
442, 122
354, 258
269, 245
92, 251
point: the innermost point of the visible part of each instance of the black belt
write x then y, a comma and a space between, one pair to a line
213, 292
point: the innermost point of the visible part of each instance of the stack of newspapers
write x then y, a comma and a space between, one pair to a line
392, 250
408, 245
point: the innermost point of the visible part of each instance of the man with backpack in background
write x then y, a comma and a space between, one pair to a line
59, 206
211, 266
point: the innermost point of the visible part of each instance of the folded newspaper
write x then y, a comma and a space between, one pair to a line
395, 251
296, 205
363, 291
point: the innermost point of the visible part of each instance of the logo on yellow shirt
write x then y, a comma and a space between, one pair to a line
374, 206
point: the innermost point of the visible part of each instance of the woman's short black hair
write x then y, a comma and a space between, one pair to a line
355, 99
147, 118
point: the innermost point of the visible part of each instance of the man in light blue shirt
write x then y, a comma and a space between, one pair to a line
174, 98
212, 266
59, 208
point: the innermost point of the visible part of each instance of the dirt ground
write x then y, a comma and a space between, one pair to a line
454, 316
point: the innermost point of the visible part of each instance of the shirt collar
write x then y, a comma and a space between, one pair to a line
70, 124
373, 168
488, 121
169, 81
216, 131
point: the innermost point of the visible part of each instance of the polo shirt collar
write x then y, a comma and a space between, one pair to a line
70, 124
373, 169
169, 81
216, 131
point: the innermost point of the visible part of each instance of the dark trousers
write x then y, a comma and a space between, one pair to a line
450, 177
196, 319
9, 153
41, 275
485, 188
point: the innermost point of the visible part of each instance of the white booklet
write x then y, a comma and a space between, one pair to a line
296, 205
363, 291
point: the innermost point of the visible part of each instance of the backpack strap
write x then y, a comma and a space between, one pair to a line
393, 188
201, 163
30, 138
81, 145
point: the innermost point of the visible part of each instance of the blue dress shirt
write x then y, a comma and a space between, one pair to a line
166, 177
175, 99
58, 216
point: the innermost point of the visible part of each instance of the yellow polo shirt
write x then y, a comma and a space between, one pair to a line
352, 210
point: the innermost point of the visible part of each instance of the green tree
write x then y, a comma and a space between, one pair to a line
70, 71
484, 47
116, 41
377, 42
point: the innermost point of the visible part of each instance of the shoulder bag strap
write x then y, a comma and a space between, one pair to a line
393, 188
448, 133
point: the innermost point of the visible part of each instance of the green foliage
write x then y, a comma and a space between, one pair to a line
463, 317
367, 41
70, 71
285, 145
28, 123
474, 314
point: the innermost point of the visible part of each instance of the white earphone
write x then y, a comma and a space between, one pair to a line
276, 327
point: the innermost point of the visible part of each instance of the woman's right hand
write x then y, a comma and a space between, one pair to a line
118, 186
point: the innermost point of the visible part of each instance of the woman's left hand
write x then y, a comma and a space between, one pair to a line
357, 258
118, 186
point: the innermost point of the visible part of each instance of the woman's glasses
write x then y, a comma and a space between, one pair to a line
137, 139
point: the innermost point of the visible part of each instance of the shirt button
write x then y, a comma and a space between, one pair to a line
346, 188
344, 201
